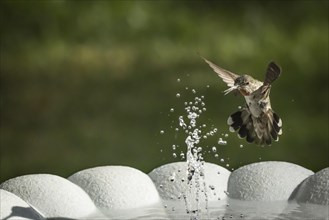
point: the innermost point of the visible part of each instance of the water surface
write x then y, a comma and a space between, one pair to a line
228, 209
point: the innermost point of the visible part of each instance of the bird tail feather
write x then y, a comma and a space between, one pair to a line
261, 130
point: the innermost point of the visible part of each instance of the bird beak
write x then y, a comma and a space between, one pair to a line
227, 91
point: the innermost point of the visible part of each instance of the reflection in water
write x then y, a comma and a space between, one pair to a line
231, 209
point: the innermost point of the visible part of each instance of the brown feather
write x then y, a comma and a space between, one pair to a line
227, 76
272, 73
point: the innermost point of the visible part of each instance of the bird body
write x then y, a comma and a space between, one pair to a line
256, 121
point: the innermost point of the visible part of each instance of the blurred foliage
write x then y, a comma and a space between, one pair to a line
90, 83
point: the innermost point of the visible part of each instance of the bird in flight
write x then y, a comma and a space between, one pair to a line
256, 121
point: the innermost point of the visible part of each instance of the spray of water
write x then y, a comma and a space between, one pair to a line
195, 172
194, 158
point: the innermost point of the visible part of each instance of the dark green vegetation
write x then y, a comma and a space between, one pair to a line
90, 83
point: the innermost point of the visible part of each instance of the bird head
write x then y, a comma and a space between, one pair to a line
243, 81
244, 84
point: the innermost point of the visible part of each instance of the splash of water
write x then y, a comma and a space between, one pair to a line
195, 198
194, 158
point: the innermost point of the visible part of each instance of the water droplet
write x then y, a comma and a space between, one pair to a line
227, 165
241, 145
172, 110
211, 187
174, 155
161, 186
165, 206
216, 155
208, 86
204, 109
178, 80
203, 104
186, 88
162, 132
185, 103
174, 147
193, 91
205, 137
222, 142
226, 135
176, 129
177, 95
214, 149
204, 125
222, 160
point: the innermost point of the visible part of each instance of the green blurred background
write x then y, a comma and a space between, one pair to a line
90, 83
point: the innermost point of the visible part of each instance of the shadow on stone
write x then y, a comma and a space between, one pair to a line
296, 190
23, 212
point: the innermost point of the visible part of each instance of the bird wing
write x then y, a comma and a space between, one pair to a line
272, 73
227, 76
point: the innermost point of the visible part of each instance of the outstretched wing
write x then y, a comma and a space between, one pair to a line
272, 73
227, 76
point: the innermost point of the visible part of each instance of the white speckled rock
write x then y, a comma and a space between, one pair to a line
53, 196
266, 181
315, 189
117, 187
216, 177
13, 207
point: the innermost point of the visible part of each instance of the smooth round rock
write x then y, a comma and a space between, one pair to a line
52, 196
117, 187
266, 181
315, 189
12, 207
171, 181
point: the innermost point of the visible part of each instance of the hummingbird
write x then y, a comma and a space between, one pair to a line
256, 121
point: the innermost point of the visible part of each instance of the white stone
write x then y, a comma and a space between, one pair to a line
12, 207
216, 178
51, 195
315, 189
266, 181
117, 187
